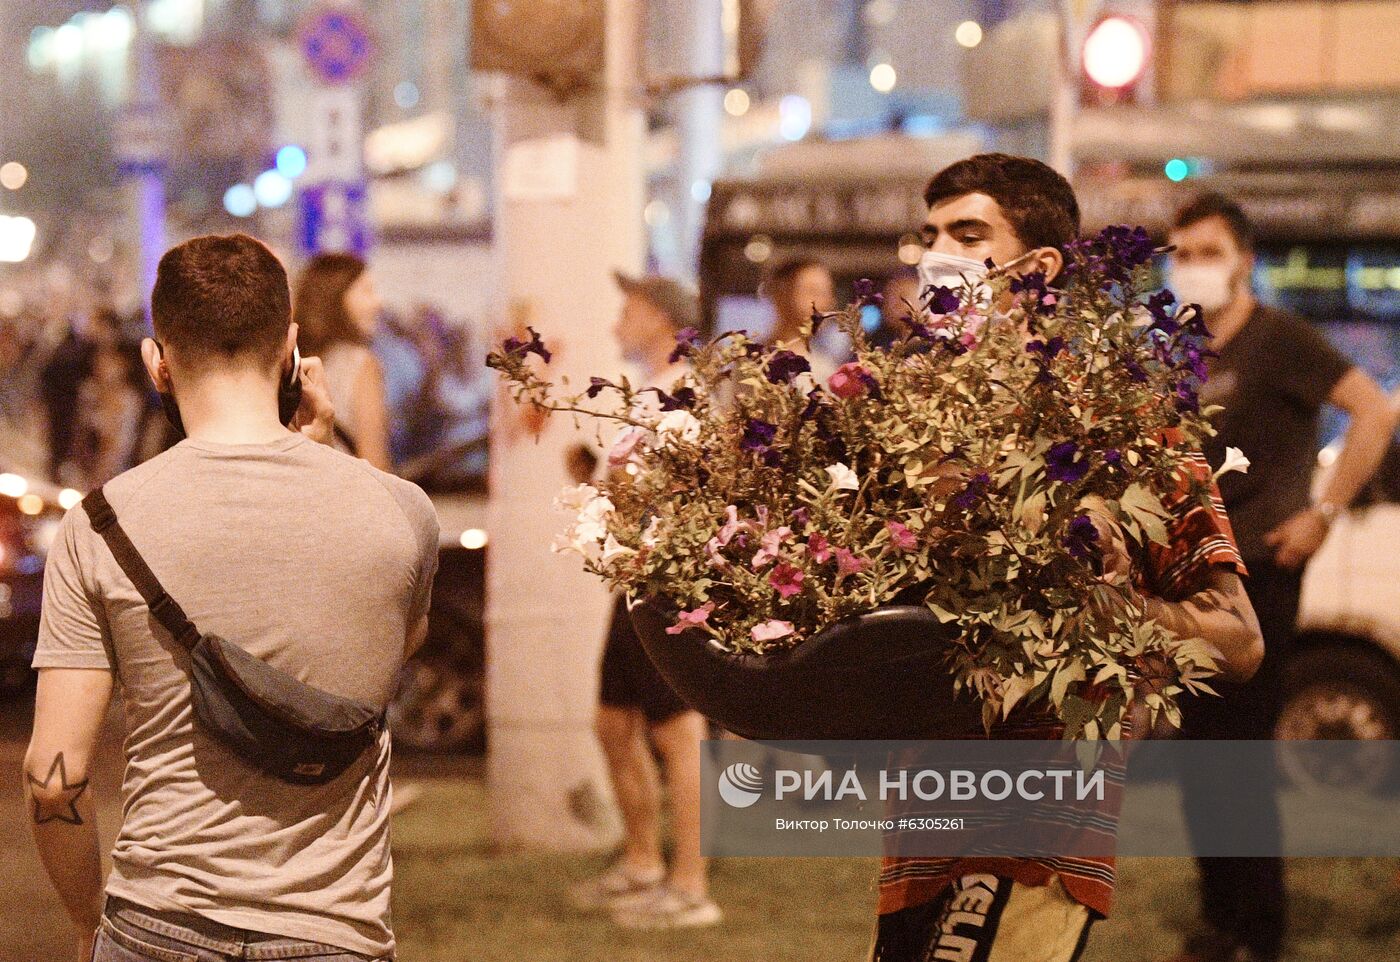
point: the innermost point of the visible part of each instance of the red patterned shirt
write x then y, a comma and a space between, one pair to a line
1198, 536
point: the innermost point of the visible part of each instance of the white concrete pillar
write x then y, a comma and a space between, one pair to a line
569, 181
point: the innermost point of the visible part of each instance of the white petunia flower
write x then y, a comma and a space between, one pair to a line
842, 478
651, 536
612, 548
575, 497
1234, 461
680, 423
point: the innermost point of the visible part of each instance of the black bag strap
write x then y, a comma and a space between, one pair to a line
163, 607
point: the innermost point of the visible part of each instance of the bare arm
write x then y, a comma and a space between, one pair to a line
1367, 438
371, 416
68, 712
1222, 616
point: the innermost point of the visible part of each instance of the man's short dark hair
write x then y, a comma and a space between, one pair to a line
1037, 202
222, 297
1208, 205
781, 277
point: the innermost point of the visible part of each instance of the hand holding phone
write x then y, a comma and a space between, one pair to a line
315, 413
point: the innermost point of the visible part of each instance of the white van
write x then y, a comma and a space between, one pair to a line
1342, 677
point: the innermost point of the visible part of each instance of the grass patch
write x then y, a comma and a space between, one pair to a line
454, 900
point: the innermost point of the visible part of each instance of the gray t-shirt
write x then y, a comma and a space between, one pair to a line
311, 560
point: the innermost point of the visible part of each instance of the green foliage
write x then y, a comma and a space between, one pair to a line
981, 463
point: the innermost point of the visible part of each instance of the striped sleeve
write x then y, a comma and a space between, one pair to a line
1198, 536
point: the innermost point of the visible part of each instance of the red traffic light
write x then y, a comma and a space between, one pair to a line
1116, 51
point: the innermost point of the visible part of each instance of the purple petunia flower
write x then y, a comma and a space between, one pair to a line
758, 435
1062, 463
866, 293
941, 300
967, 498
1046, 349
515, 345
1082, 537
687, 339
682, 400
783, 366
1113, 457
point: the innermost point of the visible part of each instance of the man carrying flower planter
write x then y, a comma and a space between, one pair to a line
634, 700
1001, 209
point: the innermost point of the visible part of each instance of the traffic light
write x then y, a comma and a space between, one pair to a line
1116, 55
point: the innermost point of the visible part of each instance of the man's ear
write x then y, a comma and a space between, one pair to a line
289, 348
156, 367
1049, 260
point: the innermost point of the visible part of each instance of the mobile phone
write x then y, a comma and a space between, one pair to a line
289, 391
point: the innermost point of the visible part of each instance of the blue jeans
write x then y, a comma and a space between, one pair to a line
131, 933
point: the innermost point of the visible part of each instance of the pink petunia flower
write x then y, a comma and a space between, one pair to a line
901, 537
846, 380
771, 630
771, 545
848, 564
691, 619
624, 446
787, 580
819, 548
731, 527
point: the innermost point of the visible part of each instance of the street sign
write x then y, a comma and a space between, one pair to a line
337, 43
141, 141
333, 150
334, 218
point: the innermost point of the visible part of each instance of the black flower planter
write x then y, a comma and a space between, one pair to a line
878, 675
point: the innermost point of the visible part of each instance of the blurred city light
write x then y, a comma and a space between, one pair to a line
440, 176
657, 213
794, 117
179, 21
31, 504
13, 175
968, 34
759, 248
13, 486
736, 102
406, 95
879, 12
291, 161
700, 191
100, 249
271, 189
1176, 169
1115, 54
911, 249
16, 239
68, 498
473, 539
240, 200
883, 77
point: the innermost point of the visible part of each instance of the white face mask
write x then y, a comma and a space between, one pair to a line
953, 272
1209, 285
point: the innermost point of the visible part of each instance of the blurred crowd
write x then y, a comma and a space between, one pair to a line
77, 407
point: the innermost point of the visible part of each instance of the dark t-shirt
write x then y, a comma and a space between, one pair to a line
1272, 378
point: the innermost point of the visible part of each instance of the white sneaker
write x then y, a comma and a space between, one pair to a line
667, 909
617, 883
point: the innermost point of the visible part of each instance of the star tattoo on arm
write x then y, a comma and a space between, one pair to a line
63, 806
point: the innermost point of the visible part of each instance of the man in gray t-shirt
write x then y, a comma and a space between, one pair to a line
311, 560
